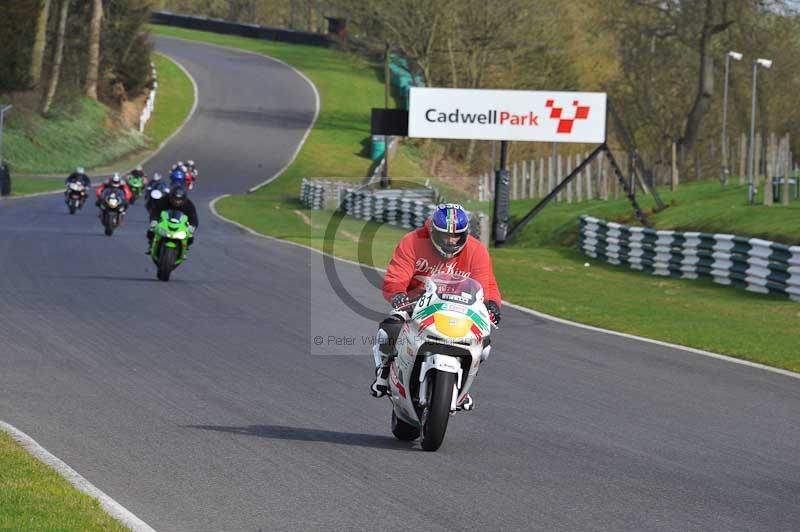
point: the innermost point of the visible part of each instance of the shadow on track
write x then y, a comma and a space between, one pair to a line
111, 278
282, 432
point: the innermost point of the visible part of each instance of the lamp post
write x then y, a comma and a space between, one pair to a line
3, 109
725, 171
766, 63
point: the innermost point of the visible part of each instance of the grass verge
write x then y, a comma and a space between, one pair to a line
35, 497
72, 135
543, 269
21, 186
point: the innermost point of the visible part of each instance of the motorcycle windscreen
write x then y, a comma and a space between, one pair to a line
456, 288
175, 216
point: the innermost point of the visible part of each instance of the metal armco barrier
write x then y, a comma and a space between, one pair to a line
753, 264
234, 28
407, 208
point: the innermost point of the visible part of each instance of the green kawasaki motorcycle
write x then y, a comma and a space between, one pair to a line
137, 185
170, 242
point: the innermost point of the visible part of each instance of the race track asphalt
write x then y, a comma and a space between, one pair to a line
203, 404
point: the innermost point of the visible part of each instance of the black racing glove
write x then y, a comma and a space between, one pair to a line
494, 311
399, 301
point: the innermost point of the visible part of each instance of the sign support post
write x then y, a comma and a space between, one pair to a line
500, 209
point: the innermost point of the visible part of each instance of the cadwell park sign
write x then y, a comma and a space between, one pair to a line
541, 116
510, 115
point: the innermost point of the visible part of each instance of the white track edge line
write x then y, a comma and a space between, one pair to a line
287, 65
112, 507
160, 146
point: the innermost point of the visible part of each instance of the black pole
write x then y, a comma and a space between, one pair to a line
553, 193
624, 182
500, 212
385, 182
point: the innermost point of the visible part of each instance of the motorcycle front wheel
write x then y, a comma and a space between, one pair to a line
437, 411
166, 262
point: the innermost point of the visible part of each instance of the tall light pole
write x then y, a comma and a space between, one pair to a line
725, 171
3, 109
766, 63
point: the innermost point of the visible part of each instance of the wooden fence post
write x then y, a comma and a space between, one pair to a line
578, 184
531, 178
541, 178
560, 196
784, 169
588, 179
567, 169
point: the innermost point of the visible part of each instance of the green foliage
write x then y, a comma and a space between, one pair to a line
124, 45
17, 19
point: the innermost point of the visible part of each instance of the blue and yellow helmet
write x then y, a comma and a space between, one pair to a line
449, 229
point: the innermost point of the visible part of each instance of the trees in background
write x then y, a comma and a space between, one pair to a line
39, 42
62, 49
93, 59
55, 71
661, 61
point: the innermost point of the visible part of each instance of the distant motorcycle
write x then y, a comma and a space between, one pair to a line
177, 178
75, 196
155, 193
112, 209
136, 185
170, 242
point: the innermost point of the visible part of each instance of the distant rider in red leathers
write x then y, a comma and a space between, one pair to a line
115, 181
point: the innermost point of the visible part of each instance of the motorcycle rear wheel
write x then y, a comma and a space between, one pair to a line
438, 410
402, 430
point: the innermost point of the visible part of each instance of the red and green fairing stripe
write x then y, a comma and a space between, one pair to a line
430, 310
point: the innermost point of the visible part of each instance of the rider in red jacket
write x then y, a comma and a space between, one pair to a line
442, 245
115, 181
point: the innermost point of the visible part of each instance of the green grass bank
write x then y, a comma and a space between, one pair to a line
78, 135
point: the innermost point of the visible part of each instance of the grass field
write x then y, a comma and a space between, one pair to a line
21, 186
34, 497
699, 206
